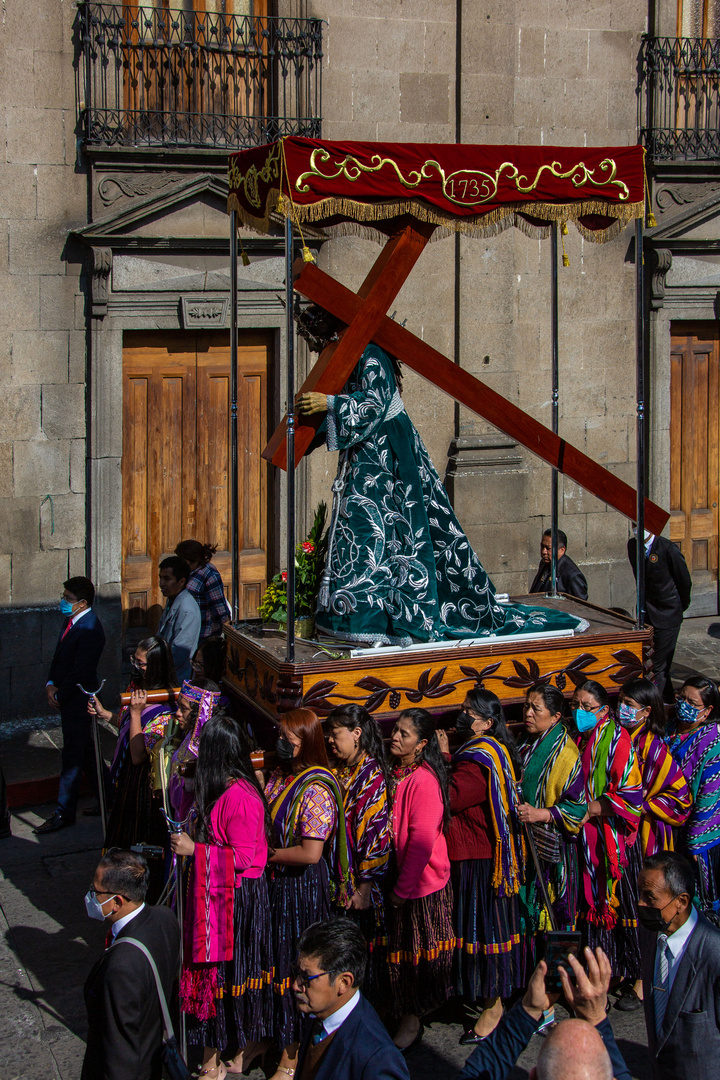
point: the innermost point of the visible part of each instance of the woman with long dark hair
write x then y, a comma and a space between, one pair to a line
206, 585
419, 916
694, 742
486, 859
310, 864
197, 701
356, 744
553, 807
226, 984
613, 795
666, 800
136, 815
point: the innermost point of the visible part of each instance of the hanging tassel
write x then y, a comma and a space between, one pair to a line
566, 259
307, 254
324, 592
244, 255
651, 220
564, 228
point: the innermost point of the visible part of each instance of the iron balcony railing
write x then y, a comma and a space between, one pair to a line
680, 98
155, 77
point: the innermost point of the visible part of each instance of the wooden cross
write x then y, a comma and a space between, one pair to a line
364, 313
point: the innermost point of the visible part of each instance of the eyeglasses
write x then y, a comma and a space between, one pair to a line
102, 892
681, 697
303, 980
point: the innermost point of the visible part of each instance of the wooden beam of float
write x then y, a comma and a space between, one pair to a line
319, 287
377, 292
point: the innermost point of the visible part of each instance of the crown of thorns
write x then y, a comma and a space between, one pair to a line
316, 326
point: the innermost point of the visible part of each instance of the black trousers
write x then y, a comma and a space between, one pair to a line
664, 642
78, 757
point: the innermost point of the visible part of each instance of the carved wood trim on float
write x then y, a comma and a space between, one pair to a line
175, 465
436, 680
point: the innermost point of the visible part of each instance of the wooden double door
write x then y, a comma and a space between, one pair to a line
694, 458
176, 462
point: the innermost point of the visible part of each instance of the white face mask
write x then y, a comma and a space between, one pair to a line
647, 534
94, 908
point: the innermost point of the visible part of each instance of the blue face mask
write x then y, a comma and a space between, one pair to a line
66, 607
584, 721
686, 712
627, 715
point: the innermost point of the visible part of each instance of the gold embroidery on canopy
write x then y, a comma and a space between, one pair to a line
464, 187
249, 180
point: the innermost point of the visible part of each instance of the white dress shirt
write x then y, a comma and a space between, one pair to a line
676, 945
334, 1020
121, 923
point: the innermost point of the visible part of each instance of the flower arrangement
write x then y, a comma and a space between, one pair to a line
309, 564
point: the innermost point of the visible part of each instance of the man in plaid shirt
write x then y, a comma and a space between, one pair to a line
206, 585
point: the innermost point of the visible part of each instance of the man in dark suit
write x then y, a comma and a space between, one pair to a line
668, 587
569, 577
681, 972
77, 653
124, 1019
347, 1040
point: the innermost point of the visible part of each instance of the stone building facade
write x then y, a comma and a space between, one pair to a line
116, 256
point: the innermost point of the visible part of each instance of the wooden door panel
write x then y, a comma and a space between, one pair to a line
694, 459
176, 466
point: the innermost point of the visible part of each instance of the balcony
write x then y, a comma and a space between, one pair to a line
680, 99
172, 78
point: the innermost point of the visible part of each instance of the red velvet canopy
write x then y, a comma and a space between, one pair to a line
479, 190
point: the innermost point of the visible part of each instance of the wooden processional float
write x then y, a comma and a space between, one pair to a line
410, 194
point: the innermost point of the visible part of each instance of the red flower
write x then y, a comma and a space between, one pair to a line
284, 575
308, 547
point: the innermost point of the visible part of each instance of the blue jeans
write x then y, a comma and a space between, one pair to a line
78, 757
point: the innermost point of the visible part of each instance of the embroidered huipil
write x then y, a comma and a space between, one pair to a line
666, 797
400, 567
697, 752
611, 771
368, 819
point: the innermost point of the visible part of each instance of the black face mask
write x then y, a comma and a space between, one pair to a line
284, 749
650, 918
138, 673
464, 723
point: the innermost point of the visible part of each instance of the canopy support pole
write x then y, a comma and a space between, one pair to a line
234, 479
640, 431
290, 440
554, 315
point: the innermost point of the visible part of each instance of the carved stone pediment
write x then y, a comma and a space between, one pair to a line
121, 187
201, 313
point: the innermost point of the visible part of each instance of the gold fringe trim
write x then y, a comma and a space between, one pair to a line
359, 216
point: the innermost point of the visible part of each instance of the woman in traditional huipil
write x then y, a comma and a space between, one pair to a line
356, 743
399, 566
197, 701
694, 741
310, 867
419, 912
136, 815
486, 858
613, 794
666, 799
226, 984
554, 808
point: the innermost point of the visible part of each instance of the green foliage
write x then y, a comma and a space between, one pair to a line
310, 556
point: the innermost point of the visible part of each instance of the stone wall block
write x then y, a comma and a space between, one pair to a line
488, 47
57, 303
78, 481
5, 580
51, 624
18, 197
40, 357
501, 548
612, 56
598, 579
17, 629
351, 130
566, 55
77, 361
41, 468
607, 537
400, 44
352, 45
6, 470
77, 562
16, 66
106, 481
576, 500
105, 403
64, 411
62, 196
35, 136
68, 519
20, 414
607, 439
424, 98
19, 302
515, 584
488, 101
338, 88
37, 578
19, 525
27, 690
622, 586
530, 51
53, 80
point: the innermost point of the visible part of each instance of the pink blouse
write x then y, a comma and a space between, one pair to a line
420, 847
238, 821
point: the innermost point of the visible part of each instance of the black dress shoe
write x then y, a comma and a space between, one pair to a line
469, 1038
628, 1001
53, 824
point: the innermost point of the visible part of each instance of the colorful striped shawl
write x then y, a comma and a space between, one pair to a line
368, 818
698, 755
552, 777
284, 812
612, 772
150, 712
666, 798
509, 858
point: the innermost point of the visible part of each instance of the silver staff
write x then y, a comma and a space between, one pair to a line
178, 827
536, 859
90, 695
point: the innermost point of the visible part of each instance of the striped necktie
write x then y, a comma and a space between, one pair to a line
661, 988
